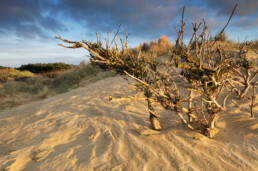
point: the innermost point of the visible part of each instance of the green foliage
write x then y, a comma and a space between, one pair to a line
40, 68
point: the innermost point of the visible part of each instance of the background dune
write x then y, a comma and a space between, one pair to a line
83, 130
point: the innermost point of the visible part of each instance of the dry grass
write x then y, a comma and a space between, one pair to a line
53, 74
14, 93
154, 49
12, 74
163, 46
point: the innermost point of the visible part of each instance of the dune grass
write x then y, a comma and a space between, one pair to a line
13, 74
16, 92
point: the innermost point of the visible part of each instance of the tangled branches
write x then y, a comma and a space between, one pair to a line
204, 66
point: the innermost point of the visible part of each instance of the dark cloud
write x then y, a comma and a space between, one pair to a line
26, 18
246, 23
224, 7
143, 18
106, 15
147, 19
30, 31
15, 10
51, 23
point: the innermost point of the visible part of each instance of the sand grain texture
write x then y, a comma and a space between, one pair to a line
83, 130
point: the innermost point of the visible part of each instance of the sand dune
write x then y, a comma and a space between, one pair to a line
83, 130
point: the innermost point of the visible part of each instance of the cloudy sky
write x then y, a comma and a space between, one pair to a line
28, 27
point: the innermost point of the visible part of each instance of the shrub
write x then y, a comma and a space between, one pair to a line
221, 37
159, 48
207, 74
164, 46
13, 74
40, 68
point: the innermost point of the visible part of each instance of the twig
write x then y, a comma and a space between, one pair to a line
140, 81
203, 113
115, 35
226, 24
184, 121
253, 101
182, 24
233, 101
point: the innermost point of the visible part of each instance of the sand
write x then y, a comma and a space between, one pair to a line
83, 130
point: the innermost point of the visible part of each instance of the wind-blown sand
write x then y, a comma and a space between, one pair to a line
83, 130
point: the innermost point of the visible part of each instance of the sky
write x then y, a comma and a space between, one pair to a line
28, 27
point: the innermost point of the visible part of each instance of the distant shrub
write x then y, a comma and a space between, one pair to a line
160, 47
164, 45
3, 67
222, 37
53, 74
145, 47
40, 68
13, 74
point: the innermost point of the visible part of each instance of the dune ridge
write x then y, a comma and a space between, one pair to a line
84, 130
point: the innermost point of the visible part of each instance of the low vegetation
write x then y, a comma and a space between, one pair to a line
158, 48
212, 74
35, 87
7, 73
209, 72
49, 69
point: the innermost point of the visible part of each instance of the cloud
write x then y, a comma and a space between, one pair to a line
51, 23
106, 15
30, 25
147, 19
17, 52
224, 7
26, 18
245, 23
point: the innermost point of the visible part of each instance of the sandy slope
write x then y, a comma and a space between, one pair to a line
83, 130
